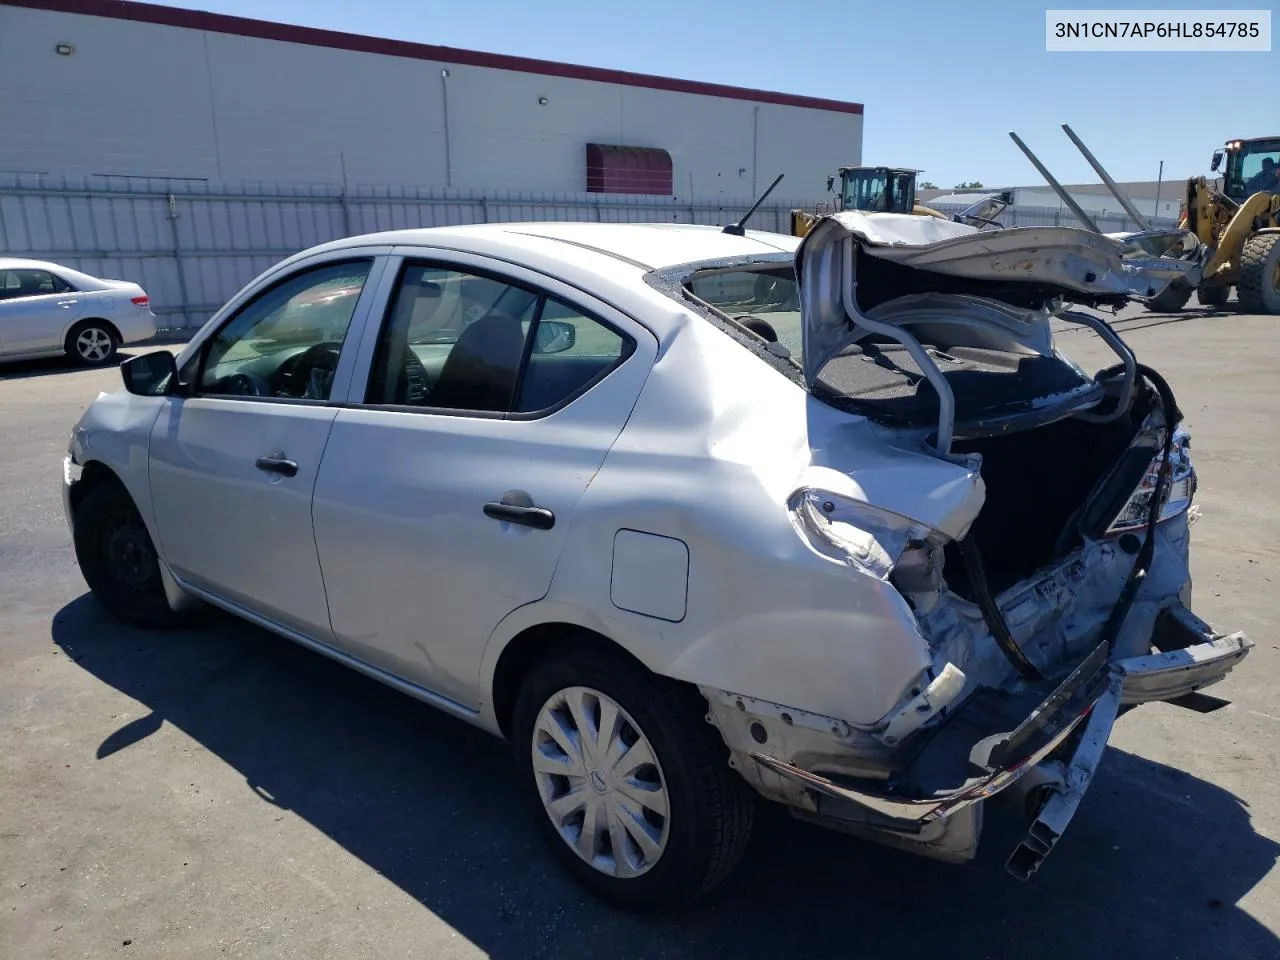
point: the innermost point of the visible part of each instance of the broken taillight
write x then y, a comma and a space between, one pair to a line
1178, 493
868, 538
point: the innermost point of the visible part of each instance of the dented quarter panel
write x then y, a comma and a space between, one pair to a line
713, 465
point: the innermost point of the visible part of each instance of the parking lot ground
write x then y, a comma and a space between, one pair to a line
222, 793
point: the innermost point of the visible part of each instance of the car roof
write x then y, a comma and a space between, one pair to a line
17, 263
647, 246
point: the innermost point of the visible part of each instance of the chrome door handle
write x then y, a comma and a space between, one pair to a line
67, 303
279, 465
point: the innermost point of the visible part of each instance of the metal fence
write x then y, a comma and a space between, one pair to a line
1026, 216
193, 244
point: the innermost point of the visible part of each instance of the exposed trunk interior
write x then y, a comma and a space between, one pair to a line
878, 379
1037, 483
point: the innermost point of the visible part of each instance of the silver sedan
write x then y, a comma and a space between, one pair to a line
47, 310
692, 517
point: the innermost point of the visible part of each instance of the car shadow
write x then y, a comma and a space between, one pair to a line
50, 366
1154, 865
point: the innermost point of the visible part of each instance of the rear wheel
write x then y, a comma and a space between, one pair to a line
119, 560
1214, 296
1259, 286
92, 343
1171, 299
629, 786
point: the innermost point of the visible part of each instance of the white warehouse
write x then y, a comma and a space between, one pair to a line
121, 89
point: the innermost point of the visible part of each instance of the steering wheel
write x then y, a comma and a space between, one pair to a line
305, 375
245, 385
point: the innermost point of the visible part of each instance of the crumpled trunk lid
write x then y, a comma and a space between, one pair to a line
960, 316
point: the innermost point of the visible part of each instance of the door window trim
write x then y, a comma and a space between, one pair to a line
439, 260
346, 358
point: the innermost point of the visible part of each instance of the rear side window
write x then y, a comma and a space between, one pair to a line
460, 341
30, 283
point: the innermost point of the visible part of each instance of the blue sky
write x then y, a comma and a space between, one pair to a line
943, 82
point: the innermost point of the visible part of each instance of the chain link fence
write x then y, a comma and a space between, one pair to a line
193, 244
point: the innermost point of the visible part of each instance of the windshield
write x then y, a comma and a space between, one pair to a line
1255, 167
766, 301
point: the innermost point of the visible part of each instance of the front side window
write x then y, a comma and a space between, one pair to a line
286, 342
454, 340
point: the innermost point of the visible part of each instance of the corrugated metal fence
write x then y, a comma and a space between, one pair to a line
193, 244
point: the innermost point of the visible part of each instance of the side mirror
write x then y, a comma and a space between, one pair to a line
151, 374
831, 182
1217, 161
554, 336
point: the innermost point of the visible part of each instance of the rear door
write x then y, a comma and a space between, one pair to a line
36, 306
233, 461
445, 493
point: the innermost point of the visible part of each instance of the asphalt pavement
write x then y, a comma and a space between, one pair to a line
220, 792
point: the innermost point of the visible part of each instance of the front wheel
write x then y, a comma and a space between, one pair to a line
1259, 286
629, 786
119, 560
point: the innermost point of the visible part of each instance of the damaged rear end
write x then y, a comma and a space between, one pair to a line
1055, 595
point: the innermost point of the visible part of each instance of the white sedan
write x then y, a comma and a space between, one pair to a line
692, 517
47, 310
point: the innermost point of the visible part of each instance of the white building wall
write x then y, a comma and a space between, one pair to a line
141, 99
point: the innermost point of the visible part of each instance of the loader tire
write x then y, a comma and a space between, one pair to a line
1259, 286
1214, 297
1171, 299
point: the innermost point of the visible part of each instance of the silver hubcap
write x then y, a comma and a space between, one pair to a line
94, 344
601, 784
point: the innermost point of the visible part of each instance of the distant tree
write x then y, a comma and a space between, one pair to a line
974, 185
928, 185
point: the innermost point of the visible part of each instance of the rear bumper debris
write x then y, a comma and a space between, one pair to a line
1066, 732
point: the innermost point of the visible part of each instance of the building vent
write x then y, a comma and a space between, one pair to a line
614, 169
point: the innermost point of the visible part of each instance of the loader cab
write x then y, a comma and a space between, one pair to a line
877, 189
1251, 166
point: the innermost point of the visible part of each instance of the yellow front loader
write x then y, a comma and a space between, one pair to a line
1240, 223
871, 190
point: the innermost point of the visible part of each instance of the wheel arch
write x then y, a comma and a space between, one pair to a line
94, 474
526, 648
92, 318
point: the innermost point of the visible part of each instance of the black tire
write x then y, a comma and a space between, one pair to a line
102, 333
118, 559
1171, 299
1259, 286
711, 807
1214, 297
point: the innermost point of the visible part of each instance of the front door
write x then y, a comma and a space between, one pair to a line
35, 308
233, 461
444, 498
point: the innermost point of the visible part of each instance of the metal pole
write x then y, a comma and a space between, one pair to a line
1114, 187
448, 158
755, 147
177, 259
346, 208
1159, 181
1057, 187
